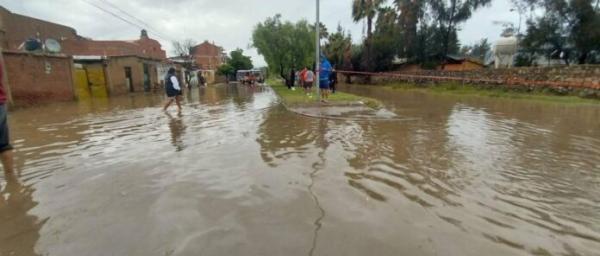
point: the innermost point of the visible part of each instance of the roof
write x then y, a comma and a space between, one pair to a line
88, 57
142, 48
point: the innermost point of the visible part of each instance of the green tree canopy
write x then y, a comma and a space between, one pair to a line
337, 46
478, 50
285, 46
238, 61
226, 70
567, 26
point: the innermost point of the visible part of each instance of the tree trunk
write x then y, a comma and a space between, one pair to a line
447, 39
583, 57
282, 74
369, 27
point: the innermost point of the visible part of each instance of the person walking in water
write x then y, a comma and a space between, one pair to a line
6, 153
173, 90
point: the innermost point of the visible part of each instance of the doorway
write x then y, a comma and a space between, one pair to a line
147, 81
129, 79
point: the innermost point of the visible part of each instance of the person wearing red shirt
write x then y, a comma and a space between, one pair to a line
6, 154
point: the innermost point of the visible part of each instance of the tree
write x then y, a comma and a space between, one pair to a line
183, 48
238, 61
366, 9
337, 45
568, 26
545, 36
284, 45
226, 70
450, 13
478, 50
322, 30
411, 12
386, 41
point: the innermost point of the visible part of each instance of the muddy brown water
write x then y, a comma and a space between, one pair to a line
237, 174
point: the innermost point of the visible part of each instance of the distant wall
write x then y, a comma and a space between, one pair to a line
36, 78
583, 80
583, 75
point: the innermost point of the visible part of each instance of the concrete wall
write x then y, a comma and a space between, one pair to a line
36, 78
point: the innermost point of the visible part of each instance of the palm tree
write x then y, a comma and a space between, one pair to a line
366, 9
411, 12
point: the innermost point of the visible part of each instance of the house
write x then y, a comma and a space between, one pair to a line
208, 56
127, 66
98, 68
449, 63
458, 63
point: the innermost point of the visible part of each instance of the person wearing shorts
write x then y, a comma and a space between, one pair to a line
173, 90
308, 81
324, 74
6, 149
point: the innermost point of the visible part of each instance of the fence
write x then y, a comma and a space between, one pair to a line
504, 78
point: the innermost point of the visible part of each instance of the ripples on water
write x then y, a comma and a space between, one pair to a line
465, 177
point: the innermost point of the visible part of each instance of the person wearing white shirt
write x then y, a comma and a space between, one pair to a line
173, 89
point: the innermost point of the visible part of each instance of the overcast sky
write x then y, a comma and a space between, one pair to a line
228, 23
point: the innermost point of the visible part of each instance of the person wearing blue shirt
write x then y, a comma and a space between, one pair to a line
324, 74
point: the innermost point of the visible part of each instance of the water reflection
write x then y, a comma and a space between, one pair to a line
177, 128
466, 176
284, 135
19, 231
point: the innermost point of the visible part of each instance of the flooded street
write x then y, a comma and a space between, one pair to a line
238, 174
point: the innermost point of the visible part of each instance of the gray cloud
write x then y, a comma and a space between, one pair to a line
227, 22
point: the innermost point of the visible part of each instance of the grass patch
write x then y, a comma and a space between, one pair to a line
299, 98
482, 91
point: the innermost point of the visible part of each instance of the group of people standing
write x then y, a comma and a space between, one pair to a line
327, 79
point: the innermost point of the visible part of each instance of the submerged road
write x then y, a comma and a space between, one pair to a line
238, 174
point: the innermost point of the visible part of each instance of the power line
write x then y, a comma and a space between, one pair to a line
127, 14
123, 19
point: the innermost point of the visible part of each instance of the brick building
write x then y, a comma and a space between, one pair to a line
144, 47
16, 28
84, 68
208, 56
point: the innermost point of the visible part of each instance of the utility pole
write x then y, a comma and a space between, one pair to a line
318, 53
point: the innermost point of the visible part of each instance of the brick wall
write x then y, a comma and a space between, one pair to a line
588, 75
144, 47
208, 56
582, 80
35, 79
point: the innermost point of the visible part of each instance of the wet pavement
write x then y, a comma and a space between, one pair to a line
238, 174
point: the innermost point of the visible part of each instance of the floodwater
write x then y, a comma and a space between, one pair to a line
237, 174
